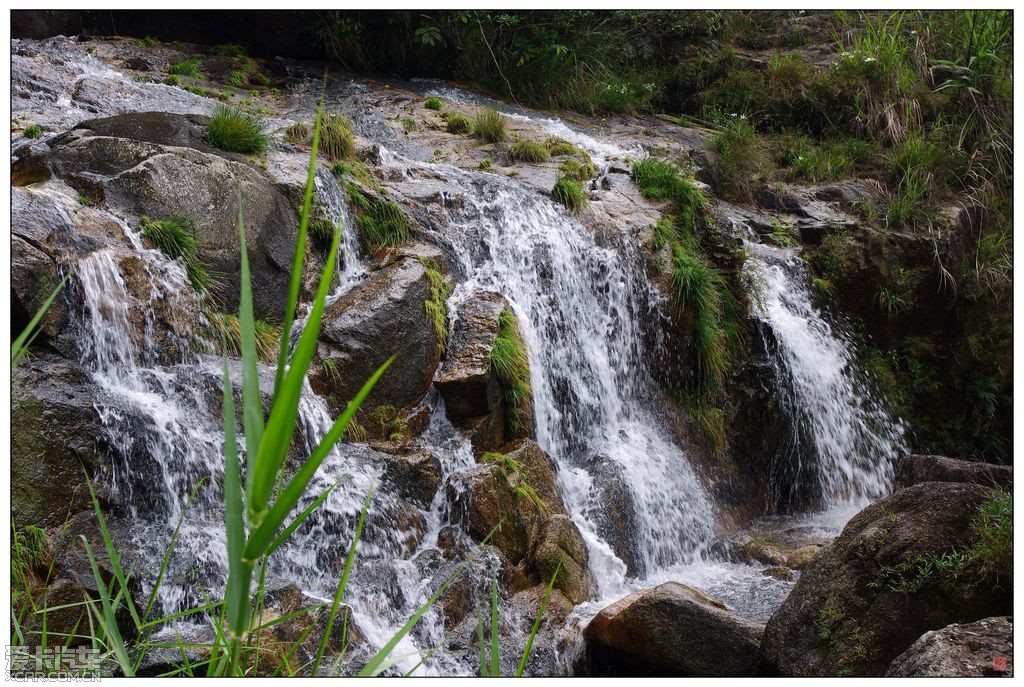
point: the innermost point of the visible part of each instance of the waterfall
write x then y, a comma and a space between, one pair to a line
843, 442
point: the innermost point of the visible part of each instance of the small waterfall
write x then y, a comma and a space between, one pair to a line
843, 441
350, 269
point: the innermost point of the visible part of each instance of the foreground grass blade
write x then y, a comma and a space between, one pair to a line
252, 404
495, 652
342, 583
237, 591
536, 622
480, 645
106, 617
20, 344
115, 558
295, 284
292, 492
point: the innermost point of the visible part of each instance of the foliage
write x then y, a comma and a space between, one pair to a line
298, 133
382, 223
22, 342
528, 151
489, 126
558, 146
236, 131
511, 364
741, 158
577, 169
33, 131
436, 306
175, 237
659, 179
485, 165
238, 79
433, 103
226, 329
457, 123
569, 193
190, 67
337, 139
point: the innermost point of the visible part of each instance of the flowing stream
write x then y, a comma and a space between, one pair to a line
581, 305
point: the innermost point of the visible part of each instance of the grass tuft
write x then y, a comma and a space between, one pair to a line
457, 123
382, 223
433, 103
569, 193
511, 364
298, 133
225, 331
660, 180
337, 139
436, 306
577, 169
236, 131
238, 79
175, 237
190, 67
489, 126
528, 151
33, 131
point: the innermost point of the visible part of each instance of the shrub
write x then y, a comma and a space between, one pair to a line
235, 131
457, 123
382, 223
189, 67
237, 79
175, 237
489, 126
528, 151
578, 170
433, 103
512, 366
337, 140
740, 158
33, 131
570, 194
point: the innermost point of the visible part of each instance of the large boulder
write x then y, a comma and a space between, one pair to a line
914, 469
980, 649
117, 161
56, 440
671, 630
381, 317
894, 573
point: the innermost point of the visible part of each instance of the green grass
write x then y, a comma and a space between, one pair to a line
229, 50
577, 169
298, 133
238, 79
698, 288
33, 131
559, 146
433, 103
485, 165
660, 180
172, 80
569, 193
436, 307
741, 159
225, 330
382, 223
457, 123
489, 126
236, 131
190, 67
337, 139
528, 151
175, 237
511, 364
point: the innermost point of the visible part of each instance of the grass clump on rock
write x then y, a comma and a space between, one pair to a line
457, 123
511, 364
175, 237
578, 170
226, 329
660, 180
436, 306
433, 103
337, 139
238, 79
570, 194
236, 131
489, 126
189, 67
33, 131
382, 223
528, 151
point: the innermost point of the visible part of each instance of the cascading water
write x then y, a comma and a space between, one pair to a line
843, 443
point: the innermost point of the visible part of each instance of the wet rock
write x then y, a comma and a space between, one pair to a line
779, 573
799, 559
58, 427
763, 552
466, 379
160, 181
861, 602
539, 471
383, 316
160, 128
33, 277
561, 544
914, 469
980, 649
674, 630
415, 475
492, 505
614, 513
549, 644
307, 629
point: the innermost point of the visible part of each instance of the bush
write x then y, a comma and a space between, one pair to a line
528, 151
457, 123
235, 131
489, 126
433, 103
570, 194
189, 67
175, 237
337, 140
741, 159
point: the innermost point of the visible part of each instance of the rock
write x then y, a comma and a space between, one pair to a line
614, 513
466, 379
381, 317
798, 559
861, 602
145, 178
674, 630
56, 442
763, 552
492, 505
779, 573
914, 469
415, 475
33, 277
560, 541
539, 471
70, 623
980, 649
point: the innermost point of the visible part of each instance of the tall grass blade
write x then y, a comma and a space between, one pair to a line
237, 591
107, 618
252, 405
20, 344
495, 652
342, 583
536, 622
